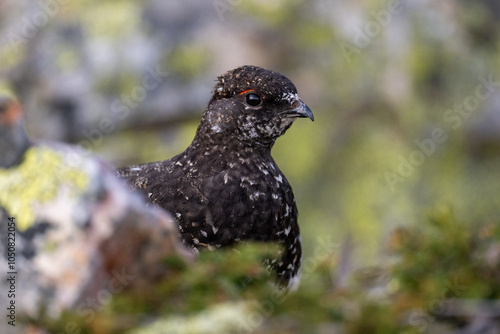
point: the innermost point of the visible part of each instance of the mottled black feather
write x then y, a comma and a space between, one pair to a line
225, 188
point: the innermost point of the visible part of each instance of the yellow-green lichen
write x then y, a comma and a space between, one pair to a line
37, 180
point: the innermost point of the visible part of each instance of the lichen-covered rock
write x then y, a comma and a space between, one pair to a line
74, 235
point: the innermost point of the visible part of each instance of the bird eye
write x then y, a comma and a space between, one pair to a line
253, 99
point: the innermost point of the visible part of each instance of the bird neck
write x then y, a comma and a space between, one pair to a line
207, 139
218, 149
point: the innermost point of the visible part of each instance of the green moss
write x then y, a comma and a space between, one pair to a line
440, 260
447, 257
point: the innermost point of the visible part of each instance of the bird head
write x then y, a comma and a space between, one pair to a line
254, 106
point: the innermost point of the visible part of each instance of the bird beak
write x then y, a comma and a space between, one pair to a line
302, 111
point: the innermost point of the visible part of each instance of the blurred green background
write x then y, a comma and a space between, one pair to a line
405, 98
378, 75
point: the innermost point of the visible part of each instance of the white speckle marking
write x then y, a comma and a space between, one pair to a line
205, 234
294, 282
287, 230
256, 195
279, 178
216, 128
287, 210
247, 179
226, 178
290, 97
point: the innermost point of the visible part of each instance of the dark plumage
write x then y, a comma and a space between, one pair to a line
225, 188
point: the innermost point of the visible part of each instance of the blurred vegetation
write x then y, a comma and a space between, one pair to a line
429, 269
373, 106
